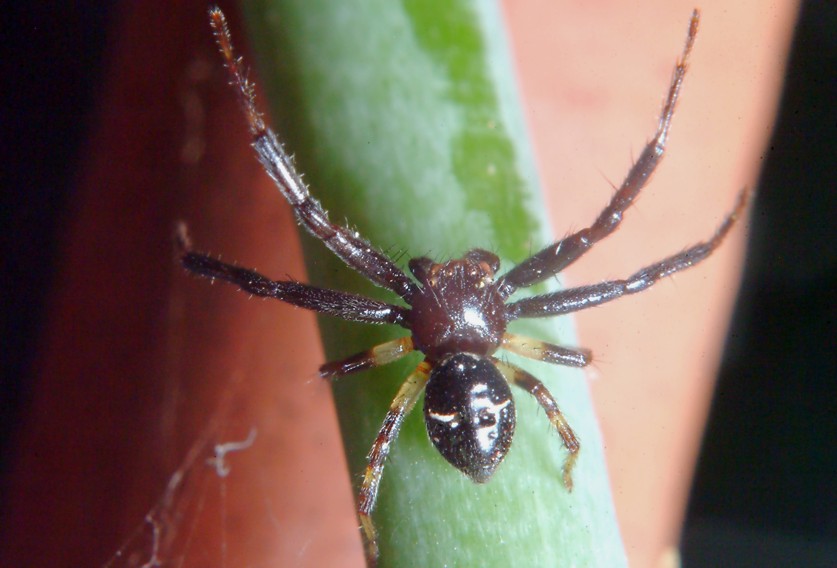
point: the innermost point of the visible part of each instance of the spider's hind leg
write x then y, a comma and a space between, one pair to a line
400, 407
533, 386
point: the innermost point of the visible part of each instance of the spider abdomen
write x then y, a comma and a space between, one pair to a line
469, 414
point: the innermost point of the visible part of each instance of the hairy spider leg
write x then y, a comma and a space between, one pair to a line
575, 299
375, 357
546, 352
343, 305
517, 376
400, 407
356, 252
557, 256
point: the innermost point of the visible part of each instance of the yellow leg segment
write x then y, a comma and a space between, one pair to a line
533, 386
400, 407
547, 352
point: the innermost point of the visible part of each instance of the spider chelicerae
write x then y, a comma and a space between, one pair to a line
456, 311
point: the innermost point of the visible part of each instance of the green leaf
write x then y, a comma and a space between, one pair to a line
404, 118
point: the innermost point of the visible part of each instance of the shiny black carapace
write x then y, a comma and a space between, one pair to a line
458, 310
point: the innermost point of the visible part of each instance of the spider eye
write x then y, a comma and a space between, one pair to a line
488, 261
469, 414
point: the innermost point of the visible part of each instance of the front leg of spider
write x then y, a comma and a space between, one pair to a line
458, 310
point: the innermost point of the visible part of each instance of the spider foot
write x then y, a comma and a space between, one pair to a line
569, 464
370, 540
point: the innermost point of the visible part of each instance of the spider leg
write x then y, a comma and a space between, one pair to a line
574, 299
400, 407
546, 352
557, 256
374, 357
533, 386
343, 242
343, 305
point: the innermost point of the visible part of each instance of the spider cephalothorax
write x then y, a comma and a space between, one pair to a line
458, 310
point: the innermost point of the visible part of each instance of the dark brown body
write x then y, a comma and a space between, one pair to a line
458, 320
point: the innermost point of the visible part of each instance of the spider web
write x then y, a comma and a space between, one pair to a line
263, 481
197, 494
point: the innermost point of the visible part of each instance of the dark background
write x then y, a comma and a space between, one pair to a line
51, 64
764, 492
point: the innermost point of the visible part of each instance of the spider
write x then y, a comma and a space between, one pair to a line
456, 311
